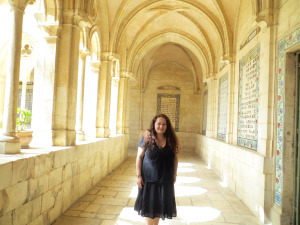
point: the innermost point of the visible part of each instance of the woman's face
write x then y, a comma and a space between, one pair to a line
160, 125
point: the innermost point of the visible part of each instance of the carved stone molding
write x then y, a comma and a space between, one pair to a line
125, 74
20, 4
269, 16
115, 81
83, 53
211, 76
51, 29
168, 87
109, 56
95, 65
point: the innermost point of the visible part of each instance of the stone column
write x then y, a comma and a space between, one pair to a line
114, 105
80, 135
9, 142
42, 107
104, 89
212, 101
65, 84
231, 95
122, 103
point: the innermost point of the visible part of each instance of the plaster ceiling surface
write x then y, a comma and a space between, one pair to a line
191, 33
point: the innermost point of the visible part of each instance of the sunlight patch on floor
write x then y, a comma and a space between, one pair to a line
193, 214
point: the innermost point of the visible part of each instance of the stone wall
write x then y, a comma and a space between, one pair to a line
143, 105
247, 173
37, 186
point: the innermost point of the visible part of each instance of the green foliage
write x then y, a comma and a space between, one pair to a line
23, 119
0, 125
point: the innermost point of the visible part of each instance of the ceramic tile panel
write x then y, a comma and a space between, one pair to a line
283, 45
169, 104
222, 109
248, 99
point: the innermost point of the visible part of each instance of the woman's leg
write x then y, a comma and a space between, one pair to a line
156, 221
150, 221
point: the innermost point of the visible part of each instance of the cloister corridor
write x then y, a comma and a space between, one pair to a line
201, 198
81, 80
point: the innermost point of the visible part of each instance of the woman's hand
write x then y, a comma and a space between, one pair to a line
140, 181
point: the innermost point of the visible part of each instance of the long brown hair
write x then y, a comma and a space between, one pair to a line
171, 137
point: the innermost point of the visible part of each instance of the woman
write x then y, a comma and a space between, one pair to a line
156, 169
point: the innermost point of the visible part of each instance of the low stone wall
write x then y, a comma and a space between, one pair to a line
247, 173
38, 185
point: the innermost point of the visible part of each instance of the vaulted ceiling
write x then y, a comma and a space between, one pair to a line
194, 34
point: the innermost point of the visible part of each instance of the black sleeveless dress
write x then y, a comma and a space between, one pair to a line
157, 197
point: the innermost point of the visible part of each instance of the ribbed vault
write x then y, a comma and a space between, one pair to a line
202, 29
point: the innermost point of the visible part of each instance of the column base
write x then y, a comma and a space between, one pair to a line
102, 132
63, 137
80, 135
277, 218
10, 145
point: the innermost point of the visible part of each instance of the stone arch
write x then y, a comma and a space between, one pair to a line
104, 25
192, 72
95, 47
118, 33
141, 50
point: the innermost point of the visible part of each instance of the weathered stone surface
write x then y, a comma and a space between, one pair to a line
5, 175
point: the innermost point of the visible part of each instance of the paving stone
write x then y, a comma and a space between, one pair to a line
200, 199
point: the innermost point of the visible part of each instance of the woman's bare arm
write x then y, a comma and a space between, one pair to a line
139, 159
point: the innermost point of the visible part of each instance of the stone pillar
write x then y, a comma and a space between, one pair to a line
114, 103
80, 135
104, 93
9, 142
212, 113
42, 107
24, 87
65, 84
122, 103
231, 94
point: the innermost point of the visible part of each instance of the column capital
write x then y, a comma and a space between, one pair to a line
83, 53
50, 29
126, 74
116, 81
268, 16
95, 65
20, 4
211, 76
70, 16
228, 58
109, 56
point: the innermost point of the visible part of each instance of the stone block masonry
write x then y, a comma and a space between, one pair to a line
38, 185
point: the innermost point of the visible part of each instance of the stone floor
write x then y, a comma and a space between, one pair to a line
201, 198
